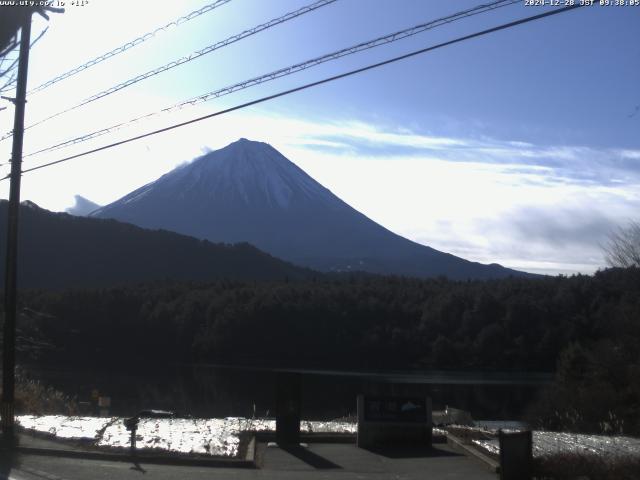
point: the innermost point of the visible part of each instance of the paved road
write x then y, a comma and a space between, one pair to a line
319, 461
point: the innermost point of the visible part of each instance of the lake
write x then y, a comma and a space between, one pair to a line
223, 391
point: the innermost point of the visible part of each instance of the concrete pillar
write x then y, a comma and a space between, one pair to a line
288, 406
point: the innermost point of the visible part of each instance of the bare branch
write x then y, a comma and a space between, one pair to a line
623, 246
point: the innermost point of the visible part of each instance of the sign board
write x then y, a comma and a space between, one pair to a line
387, 421
395, 409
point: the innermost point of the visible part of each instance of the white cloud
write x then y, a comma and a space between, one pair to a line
630, 154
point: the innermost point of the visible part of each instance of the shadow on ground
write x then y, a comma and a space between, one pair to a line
8, 462
412, 452
310, 458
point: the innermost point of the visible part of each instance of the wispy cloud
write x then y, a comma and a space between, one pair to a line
565, 163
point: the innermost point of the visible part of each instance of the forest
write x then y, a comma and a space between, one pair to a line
347, 321
584, 328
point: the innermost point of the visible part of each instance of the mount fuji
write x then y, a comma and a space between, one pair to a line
249, 192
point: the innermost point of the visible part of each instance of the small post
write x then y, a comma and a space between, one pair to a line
131, 424
10, 287
133, 441
516, 455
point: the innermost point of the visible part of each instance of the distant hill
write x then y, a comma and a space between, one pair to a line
82, 206
249, 192
59, 250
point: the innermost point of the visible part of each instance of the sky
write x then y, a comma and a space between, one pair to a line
520, 147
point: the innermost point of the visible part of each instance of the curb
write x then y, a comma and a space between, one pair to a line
247, 462
472, 452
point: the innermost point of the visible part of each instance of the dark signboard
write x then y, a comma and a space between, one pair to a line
395, 409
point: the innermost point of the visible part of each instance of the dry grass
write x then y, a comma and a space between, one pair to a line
467, 435
34, 398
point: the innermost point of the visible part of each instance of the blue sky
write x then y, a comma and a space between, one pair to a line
520, 147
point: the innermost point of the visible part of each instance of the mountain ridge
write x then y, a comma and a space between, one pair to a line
59, 250
248, 191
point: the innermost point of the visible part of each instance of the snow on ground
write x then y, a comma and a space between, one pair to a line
215, 436
327, 427
546, 443
221, 436
181, 435
61, 426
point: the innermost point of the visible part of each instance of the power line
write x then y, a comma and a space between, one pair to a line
503, 26
197, 54
12, 66
129, 45
389, 38
9, 84
13, 43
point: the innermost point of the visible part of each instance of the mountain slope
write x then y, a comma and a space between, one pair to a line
60, 250
250, 192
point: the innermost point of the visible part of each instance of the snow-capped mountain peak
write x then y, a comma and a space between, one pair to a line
250, 192
253, 172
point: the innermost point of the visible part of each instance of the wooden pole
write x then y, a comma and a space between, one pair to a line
10, 283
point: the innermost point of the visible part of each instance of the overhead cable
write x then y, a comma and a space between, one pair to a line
503, 26
129, 45
183, 60
376, 42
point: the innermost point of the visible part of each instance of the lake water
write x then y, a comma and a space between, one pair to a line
218, 392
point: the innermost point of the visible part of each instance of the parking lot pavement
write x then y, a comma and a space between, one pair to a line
317, 461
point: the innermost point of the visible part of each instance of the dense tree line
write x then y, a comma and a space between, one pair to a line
597, 385
352, 321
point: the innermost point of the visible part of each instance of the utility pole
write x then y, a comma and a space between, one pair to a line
10, 287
